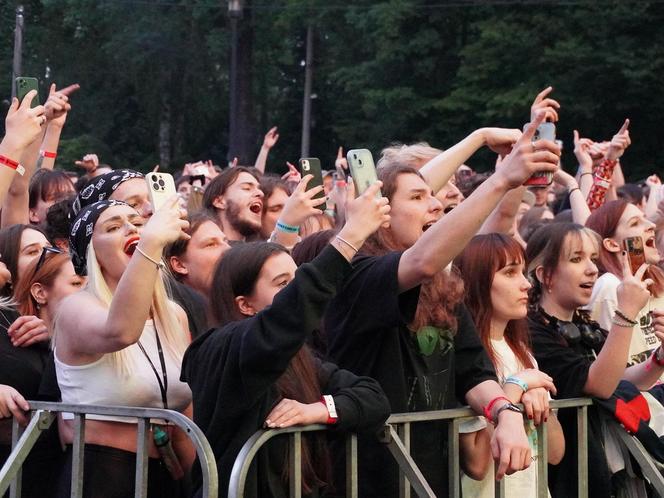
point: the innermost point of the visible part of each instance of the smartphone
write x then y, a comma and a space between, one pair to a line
311, 166
362, 169
23, 86
161, 187
545, 131
634, 248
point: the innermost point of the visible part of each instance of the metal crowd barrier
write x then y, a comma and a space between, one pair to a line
396, 435
43, 415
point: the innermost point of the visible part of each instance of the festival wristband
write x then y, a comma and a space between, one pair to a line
332, 416
515, 380
287, 228
489, 407
50, 155
12, 164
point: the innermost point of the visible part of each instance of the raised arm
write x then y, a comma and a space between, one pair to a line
57, 106
270, 139
86, 327
438, 246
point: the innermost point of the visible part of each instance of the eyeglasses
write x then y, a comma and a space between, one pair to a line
42, 259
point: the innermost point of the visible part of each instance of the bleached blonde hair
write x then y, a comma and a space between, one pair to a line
415, 155
163, 310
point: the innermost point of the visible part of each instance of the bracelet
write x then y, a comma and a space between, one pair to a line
332, 416
508, 406
160, 264
50, 155
340, 239
655, 357
586, 173
12, 164
515, 380
617, 321
575, 188
489, 407
626, 318
287, 228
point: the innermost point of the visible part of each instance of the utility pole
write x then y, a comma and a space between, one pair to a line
235, 14
306, 105
18, 48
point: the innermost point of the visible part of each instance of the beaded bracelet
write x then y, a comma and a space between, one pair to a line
625, 317
617, 321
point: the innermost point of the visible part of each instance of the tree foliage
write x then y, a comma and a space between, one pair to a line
155, 74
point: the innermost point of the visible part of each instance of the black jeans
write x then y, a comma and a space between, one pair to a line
110, 473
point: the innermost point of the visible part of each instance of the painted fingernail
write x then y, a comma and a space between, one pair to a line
530, 417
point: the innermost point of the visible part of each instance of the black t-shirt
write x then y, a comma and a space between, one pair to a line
367, 333
568, 365
193, 304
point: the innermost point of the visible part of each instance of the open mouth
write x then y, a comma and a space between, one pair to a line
650, 242
449, 208
130, 245
256, 207
587, 285
427, 226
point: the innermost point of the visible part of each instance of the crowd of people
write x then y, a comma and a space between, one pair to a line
250, 301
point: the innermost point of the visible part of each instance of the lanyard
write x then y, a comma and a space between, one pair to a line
163, 386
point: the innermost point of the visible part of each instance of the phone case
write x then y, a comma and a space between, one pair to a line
161, 187
545, 131
634, 248
311, 166
362, 169
24, 85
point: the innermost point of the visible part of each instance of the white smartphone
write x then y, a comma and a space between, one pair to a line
161, 187
362, 170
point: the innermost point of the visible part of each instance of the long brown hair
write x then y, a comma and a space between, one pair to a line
478, 263
236, 275
440, 296
605, 222
45, 275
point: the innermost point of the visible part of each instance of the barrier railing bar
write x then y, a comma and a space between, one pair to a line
404, 486
647, 465
20, 452
142, 442
407, 464
295, 469
203, 450
542, 460
351, 466
78, 456
16, 485
582, 443
453, 470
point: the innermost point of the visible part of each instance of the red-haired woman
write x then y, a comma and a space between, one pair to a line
492, 267
616, 221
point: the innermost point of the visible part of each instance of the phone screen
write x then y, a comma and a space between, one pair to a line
634, 248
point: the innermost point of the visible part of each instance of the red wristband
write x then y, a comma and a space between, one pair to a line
328, 401
489, 407
50, 155
12, 164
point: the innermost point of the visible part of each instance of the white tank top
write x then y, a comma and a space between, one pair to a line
101, 383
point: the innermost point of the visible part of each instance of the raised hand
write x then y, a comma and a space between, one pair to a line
89, 163
582, 152
529, 157
653, 181
501, 140
543, 103
341, 163
619, 142
633, 293
166, 225
271, 138
301, 203
293, 175
23, 124
365, 214
57, 105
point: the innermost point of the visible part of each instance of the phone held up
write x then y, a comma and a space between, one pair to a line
311, 166
545, 131
161, 187
23, 86
362, 169
634, 248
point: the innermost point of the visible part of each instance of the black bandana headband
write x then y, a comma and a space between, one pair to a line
101, 188
81, 230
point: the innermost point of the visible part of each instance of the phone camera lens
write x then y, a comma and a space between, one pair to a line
155, 186
360, 162
161, 183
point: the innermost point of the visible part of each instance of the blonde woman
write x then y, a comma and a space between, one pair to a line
121, 342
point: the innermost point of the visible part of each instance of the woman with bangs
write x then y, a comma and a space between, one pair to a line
616, 221
121, 342
492, 267
582, 358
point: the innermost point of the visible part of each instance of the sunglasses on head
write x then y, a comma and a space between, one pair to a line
42, 258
